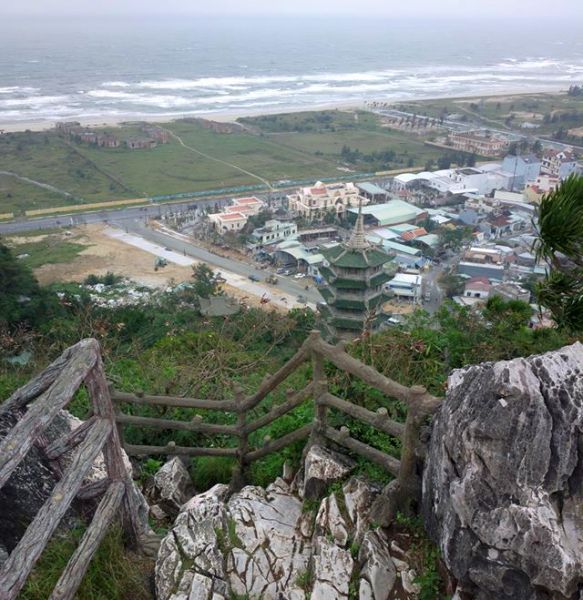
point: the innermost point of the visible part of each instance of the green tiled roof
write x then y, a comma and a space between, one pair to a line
347, 324
379, 279
344, 303
356, 259
326, 293
349, 284
364, 305
326, 273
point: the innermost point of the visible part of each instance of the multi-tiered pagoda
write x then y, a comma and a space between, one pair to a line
354, 286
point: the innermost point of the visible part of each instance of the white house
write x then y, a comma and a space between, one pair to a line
272, 232
406, 285
309, 202
228, 221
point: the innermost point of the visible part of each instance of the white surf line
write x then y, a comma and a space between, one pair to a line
223, 162
239, 282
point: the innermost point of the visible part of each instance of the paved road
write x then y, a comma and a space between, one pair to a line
105, 216
431, 285
286, 284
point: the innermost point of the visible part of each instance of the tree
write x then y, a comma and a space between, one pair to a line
560, 244
22, 300
444, 162
453, 285
206, 283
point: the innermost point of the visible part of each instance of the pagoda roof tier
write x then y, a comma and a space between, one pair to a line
355, 258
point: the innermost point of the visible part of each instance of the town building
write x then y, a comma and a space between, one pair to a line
272, 232
372, 192
292, 254
140, 143
472, 269
313, 202
228, 222
106, 140
510, 291
68, 127
406, 286
246, 206
394, 212
353, 290
523, 168
156, 133
477, 287
478, 142
560, 164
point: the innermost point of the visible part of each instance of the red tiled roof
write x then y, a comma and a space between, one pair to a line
478, 280
231, 216
318, 190
414, 233
250, 200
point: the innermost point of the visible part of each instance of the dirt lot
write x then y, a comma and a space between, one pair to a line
104, 253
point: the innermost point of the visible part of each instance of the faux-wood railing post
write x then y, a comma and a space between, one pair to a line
239, 478
408, 481
320, 389
112, 452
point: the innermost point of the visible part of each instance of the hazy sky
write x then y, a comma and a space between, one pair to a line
397, 8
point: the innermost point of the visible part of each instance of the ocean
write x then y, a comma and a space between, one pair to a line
55, 69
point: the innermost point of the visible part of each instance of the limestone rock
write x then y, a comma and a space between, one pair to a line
329, 521
262, 544
359, 496
377, 568
332, 571
193, 541
503, 483
171, 487
322, 467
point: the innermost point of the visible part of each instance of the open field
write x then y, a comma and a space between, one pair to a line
45, 170
70, 255
307, 146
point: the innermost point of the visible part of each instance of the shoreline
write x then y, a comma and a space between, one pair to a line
231, 116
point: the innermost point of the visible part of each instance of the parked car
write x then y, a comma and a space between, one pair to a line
254, 278
280, 271
299, 275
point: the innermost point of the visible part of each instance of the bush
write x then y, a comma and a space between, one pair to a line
207, 471
113, 574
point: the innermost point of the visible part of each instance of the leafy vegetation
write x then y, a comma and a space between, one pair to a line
113, 574
560, 243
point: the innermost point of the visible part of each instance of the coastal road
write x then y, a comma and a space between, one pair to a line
288, 285
118, 215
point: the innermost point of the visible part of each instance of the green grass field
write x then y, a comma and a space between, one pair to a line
275, 148
51, 249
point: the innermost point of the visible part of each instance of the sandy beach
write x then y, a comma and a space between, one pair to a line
222, 117
231, 116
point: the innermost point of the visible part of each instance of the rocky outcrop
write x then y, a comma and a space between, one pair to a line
169, 489
270, 544
33, 480
322, 467
503, 483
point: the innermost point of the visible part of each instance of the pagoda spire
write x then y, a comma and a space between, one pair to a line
358, 240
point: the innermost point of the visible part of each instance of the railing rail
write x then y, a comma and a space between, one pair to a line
419, 404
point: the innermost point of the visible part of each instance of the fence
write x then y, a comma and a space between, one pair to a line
419, 405
44, 397
54, 388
